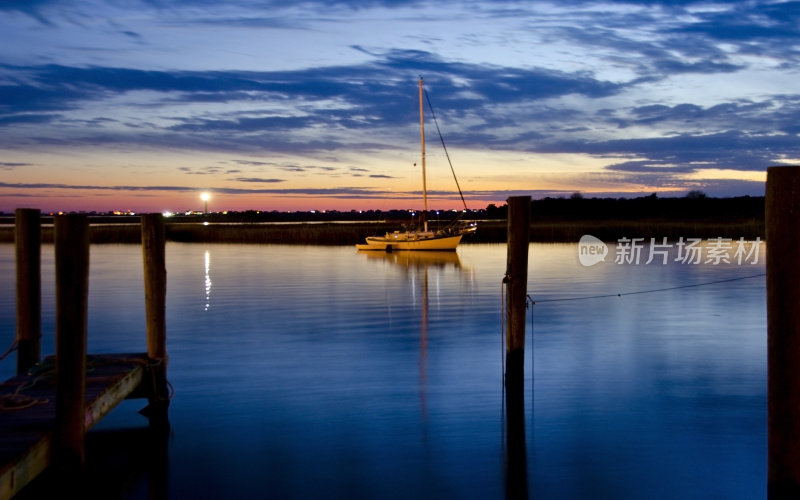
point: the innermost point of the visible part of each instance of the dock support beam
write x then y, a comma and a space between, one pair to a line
72, 300
516, 282
28, 246
155, 294
783, 331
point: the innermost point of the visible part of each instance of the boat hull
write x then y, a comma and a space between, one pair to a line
391, 244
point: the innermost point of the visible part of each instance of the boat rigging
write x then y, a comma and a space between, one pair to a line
447, 238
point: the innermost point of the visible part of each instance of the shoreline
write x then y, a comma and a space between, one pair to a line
543, 230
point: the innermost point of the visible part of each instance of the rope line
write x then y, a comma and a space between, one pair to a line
12, 348
640, 292
530, 306
447, 155
17, 400
529, 299
503, 445
503, 332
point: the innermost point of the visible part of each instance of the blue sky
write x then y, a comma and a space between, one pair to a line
313, 105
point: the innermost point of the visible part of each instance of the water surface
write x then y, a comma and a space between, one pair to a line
320, 372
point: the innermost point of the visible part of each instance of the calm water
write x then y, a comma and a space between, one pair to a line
317, 372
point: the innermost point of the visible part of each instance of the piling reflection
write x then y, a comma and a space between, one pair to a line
515, 443
124, 462
129, 457
420, 267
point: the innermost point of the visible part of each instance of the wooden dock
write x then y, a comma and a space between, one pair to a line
47, 408
28, 411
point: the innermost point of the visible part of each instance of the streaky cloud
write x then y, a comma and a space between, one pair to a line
259, 180
343, 192
32, 8
593, 87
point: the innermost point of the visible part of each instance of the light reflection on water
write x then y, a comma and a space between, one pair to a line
323, 372
208, 280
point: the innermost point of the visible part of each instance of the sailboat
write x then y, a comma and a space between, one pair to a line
447, 238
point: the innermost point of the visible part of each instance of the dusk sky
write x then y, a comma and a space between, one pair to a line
284, 105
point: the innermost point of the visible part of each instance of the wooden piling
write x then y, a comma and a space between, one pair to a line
516, 281
28, 241
155, 293
72, 299
783, 331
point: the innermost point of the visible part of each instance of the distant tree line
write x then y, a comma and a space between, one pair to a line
552, 220
696, 205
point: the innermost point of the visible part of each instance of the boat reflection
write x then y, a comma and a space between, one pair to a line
417, 265
416, 260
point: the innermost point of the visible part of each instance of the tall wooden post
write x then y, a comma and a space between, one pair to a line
783, 331
72, 300
516, 281
155, 294
28, 244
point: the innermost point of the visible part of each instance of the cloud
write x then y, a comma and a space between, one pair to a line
293, 168
364, 96
312, 111
654, 82
32, 8
259, 180
254, 163
10, 165
745, 21
335, 192
90, 187
132, 34
203, 170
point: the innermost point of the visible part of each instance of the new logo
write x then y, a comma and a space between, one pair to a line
591, 250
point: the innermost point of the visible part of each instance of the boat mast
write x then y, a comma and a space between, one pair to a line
422, 141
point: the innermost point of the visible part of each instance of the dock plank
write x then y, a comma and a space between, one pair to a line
26, 433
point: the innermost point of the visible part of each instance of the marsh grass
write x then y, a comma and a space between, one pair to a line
494, 231
570, 231
299, 234
294, 233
